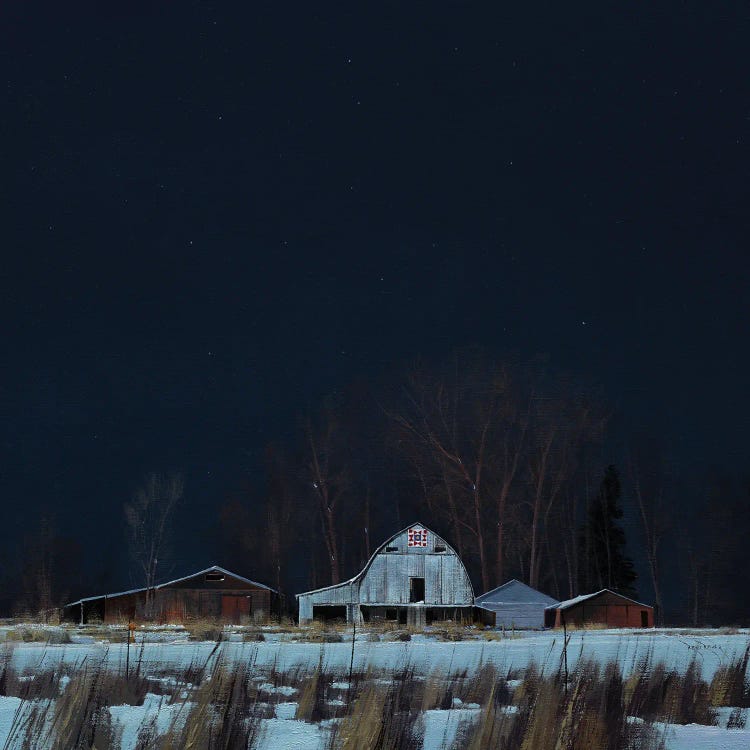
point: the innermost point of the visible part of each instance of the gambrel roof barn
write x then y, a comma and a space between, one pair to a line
414, 577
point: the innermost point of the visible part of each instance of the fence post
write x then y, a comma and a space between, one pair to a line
565, 648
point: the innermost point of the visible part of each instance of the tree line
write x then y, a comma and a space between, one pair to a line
510, 461
518, 468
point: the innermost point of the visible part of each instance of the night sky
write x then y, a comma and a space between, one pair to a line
214, 214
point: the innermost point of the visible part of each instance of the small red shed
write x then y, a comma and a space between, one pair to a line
605, 607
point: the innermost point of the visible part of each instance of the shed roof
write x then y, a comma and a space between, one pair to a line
568, 603
516, 591
213, 568
362, 572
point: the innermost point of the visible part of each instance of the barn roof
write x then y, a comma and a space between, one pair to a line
516, 591
213, 568
568, 603
362, 572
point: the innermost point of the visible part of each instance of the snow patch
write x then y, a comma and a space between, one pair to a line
267, 687
439, 727
282, 734
155, 708
8, 708
286, 710
699, 737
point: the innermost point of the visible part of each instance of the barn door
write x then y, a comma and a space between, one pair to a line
416, 589
235, 607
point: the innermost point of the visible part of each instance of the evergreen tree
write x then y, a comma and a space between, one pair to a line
604, 563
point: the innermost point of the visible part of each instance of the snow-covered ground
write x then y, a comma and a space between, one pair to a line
423, 653
170, 652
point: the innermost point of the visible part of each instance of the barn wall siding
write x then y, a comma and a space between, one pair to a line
517, 615
385, 580
517, 605
605, 608
230, 599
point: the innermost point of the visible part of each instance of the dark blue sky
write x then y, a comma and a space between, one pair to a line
215, 213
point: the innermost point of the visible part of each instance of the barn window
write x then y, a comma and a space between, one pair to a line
391, 614
391, 549
215, 576
439, 548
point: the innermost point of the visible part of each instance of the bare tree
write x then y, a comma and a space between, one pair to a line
452, 431
148, 517
562, 425
649, 491
48, 563
464, 432
328, 477
712, 531
509, 462
279, 530
39, 569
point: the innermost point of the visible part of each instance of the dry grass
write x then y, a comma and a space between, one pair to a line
587, 626
80, 719
485, 686
221, 705
493, 728
324, 632
362, 729
548, 715
435, 691
201, 629
729, 686
37, 634
382, 718
656, 694
222, 715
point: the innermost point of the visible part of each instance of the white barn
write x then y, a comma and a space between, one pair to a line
414, 578
517, 605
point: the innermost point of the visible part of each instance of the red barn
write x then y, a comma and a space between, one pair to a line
605, 607
213, 593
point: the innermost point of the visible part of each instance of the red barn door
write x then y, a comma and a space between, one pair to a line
235, 607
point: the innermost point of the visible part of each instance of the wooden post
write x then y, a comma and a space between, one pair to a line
565, 648
131, 639
351, 660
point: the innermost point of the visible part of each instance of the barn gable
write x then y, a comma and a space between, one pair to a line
516, 605
214, 577
604, 607
515, 591
603, 597
415, 568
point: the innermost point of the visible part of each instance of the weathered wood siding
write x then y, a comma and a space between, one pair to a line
607, 608
214, 593
386, 579
517, 605
333, 595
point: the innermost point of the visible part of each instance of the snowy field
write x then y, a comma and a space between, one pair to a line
169, 652
628, 648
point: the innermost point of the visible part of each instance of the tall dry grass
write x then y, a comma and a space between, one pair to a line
216, 703
729, 686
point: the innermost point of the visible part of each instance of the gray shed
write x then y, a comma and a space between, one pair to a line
517, 605
414, 578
